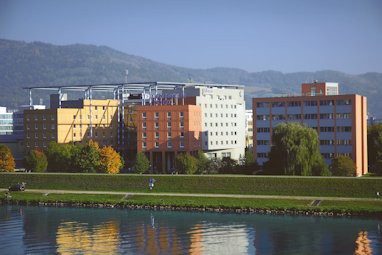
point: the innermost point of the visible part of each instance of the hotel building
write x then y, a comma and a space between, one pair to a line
76, 121
340, 121
166, 130
223, 117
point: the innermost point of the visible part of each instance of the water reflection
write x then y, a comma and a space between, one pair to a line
362, 244
76, 237
35, 230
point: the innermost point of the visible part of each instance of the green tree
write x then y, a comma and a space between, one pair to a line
203, 163
374, 147
142, 164
186, 163
86, 158
295, 150
320, 168
228, 166
60, 157
36, 161
7, 162
342, 166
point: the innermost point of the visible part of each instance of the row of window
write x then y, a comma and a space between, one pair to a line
169, 144
52, 126
305, 116
233, 124
156, 114
232, 106
324, 155
222, 133
90, 116
169, 135
36, 117
156, 125
306, 103
221, 142
322, 129
335, 142
233, 115
219, 97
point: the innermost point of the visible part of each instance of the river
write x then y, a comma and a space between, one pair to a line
50, 230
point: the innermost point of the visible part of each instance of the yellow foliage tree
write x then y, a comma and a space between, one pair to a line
7, 162
110, 160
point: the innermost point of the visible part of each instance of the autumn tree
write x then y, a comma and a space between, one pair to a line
110, 161
7, 162
36, 161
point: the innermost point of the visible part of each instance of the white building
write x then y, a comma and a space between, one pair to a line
6, 122
223, 118
248, 129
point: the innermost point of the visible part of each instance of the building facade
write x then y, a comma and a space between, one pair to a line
223, 118
77, 121
6, 121
248, 129
340, 121
163, 131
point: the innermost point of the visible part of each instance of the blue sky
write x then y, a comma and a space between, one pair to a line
285, 35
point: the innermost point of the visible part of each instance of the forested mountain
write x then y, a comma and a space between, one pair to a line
25, 64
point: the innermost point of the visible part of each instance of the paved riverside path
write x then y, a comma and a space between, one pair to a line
54, 191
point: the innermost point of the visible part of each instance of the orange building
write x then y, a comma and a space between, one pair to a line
340, 121
165, 130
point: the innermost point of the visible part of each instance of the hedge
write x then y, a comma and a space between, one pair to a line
220, 184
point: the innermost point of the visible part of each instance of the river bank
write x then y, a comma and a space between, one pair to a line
307, 207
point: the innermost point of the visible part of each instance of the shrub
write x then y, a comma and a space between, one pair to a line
36, 161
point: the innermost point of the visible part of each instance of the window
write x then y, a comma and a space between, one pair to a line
96, 108
343, 129
278, 104
156, 125
103, 107
143, 144
294, 103
343, 102
263, 130
326, 102
52, 117
144, 135
35, 135
168, 114
181, 124
310, 116
169, 134
181, 114
156, 115
156, 144
43, 125
169, 144
262, 142
326, 116
143, 124
262, 155
53, 126
310, 103
96, 117
143, 115
326, 142
74, 134
168, 124
43, 117
181, 134
35, 117
262, 117
74, 117
326, 129
156, 134
88, 117
181, 144
35, 126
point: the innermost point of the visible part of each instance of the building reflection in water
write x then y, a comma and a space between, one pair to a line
75, 238
362, 244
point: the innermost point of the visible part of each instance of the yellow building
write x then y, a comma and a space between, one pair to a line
77, 121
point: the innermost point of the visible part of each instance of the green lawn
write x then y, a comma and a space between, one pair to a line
214, 184
197, 202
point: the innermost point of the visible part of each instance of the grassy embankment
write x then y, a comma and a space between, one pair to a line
247, 185
374, 207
